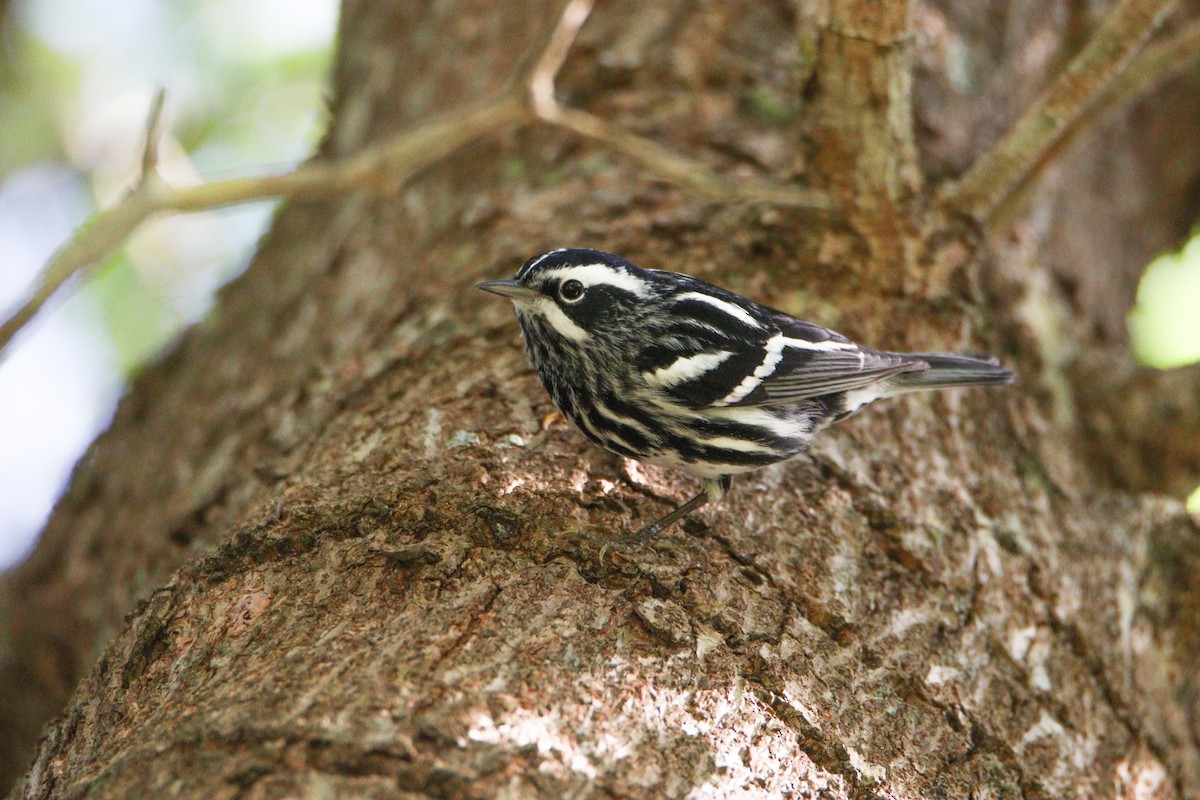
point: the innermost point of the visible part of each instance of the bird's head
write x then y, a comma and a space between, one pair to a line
579, 299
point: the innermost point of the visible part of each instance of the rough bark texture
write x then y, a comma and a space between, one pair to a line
328, 547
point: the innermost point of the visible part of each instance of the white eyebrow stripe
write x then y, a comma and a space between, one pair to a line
593, 274
684, 369
537, 261
771, 357
737, 312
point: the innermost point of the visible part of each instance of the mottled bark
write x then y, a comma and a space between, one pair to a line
328, 546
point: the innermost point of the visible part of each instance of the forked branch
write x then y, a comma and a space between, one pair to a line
1056, 110
667, 164
383, 167
1159, 60
1103, 74
386, 167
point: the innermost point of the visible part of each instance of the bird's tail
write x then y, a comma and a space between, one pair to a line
951, 369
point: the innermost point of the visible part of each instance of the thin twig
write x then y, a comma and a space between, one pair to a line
681, 170
1080, 85
386, 167
1160, 60
383, 168
667, 164
1157, 62
541, 82
150, 146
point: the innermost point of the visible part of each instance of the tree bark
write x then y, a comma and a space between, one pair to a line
330, 546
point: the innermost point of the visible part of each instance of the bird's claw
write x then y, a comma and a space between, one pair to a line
631, 547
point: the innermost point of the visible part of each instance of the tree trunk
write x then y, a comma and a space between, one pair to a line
330, 546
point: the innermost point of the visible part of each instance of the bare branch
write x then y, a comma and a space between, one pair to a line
150, 148
383, 168
386, 167
1157, 62
1080, 85
669, 165
1160, 60
541, 83
681, 170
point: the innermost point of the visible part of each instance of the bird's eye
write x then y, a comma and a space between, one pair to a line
571, 290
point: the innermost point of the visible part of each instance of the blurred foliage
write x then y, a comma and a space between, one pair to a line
134, 316
244, 81
1165, 321
1164, 324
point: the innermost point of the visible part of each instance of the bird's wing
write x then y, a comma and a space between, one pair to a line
803, 374
777, 359
698, 363
811, 361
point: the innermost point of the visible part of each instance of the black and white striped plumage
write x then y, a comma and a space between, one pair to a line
667, 369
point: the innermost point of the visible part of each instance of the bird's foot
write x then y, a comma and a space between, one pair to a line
642, 547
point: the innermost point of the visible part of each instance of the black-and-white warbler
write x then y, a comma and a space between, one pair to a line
667, 369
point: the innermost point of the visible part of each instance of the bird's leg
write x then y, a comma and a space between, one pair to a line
648, 532
714, 490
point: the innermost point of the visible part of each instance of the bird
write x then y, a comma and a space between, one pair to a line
667, 369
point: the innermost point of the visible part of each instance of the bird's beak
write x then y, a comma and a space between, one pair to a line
510, 289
